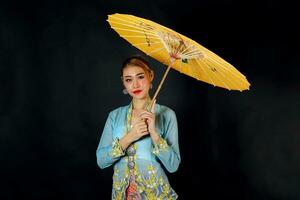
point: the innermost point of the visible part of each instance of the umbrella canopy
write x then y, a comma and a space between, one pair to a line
177, 51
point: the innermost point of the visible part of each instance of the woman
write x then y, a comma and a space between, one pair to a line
137, 141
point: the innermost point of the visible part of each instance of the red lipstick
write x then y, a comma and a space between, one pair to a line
137, 91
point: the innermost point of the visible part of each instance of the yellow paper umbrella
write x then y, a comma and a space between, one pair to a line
177, 51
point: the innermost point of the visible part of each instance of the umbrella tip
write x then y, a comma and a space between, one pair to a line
110, 15
241, 90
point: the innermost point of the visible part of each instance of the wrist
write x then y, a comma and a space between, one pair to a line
155, 137
126, 141
130, 137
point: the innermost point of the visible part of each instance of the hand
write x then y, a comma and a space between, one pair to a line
139, 129
149, 118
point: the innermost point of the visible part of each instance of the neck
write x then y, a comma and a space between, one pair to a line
140, 103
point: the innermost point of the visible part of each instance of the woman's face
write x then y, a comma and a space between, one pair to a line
136, 81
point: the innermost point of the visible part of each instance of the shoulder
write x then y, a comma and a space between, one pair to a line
165, 111
117, 111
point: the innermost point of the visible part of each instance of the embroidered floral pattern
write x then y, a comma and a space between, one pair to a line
117, 150
160, 146
150, 186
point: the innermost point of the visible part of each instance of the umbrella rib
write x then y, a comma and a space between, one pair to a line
149, 22
184, 50
135, 31
143, 43
242, 77
225, 75
172, 46
233, 73
137, 36
136, 26
200, 49
212, 74
224, 84
127, 21
196, 56
213, 55
235, 82
230, 71
155, 50
176, 48
134, 21
192, 52
193, 55
205, 71
165, 45
197, 69
216, 58
180, 66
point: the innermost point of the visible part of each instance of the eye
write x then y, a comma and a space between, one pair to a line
141, 76
128, 80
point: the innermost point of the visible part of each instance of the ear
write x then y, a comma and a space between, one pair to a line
151, 75
123, 82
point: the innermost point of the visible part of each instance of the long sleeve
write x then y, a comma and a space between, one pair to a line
109, 150
167, 149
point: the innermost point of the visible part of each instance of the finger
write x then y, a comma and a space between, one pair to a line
145, 132
135, 121
143, 125
142, 129
146, 114
146, 118
142, 121
138, 121
142, 114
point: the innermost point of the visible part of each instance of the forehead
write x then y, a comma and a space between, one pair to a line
131, 70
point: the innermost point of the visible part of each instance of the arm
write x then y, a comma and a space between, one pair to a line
166, 148
109, 150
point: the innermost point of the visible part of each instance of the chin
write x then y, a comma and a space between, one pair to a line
140, 96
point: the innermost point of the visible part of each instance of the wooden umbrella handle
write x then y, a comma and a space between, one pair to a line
161, 82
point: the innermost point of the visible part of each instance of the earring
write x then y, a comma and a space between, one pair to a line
125, 91
151, 86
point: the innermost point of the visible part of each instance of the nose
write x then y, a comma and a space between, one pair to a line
135, 83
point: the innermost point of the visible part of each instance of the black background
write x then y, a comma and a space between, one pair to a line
60, 76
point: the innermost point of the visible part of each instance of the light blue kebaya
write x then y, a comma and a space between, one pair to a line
142, 160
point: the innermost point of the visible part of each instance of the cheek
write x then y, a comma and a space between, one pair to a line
126, 85
145, 82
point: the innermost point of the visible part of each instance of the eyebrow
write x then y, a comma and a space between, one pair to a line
128, 76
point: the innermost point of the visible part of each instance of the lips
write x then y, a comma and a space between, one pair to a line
137, 91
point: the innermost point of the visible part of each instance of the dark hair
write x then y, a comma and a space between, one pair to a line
136, 60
